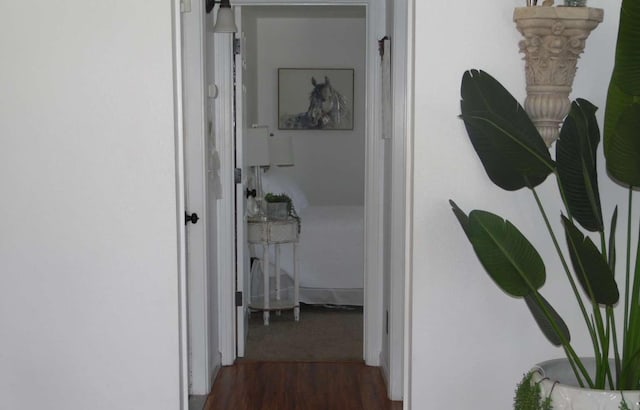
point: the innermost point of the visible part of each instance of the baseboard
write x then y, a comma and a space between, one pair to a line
197, 402
215, 371
384, 370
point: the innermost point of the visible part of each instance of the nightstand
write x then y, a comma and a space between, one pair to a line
275, 233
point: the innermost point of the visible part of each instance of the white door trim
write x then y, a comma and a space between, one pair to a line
224, 119
406, 19
196, 152
373, 314
240, 205
176, 38
400, 224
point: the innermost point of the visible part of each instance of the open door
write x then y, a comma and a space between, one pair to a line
201, 197
242, 250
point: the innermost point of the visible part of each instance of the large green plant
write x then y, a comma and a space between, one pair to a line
514, 156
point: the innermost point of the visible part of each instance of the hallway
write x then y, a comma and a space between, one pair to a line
300, 386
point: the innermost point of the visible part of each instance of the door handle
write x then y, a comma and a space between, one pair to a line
193, 218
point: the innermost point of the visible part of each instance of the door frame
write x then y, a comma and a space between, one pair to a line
224, 131
181, 237
401, 200
195, 150
242, 267
400, 304
373, 311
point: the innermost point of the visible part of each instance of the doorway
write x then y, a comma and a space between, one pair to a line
374, 177
209, 90
326, 181
383, 316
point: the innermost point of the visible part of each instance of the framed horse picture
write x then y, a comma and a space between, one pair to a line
315, 98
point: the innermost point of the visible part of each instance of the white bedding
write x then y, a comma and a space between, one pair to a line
330, 257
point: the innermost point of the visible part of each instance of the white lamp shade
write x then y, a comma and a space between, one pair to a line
256, 149
281, 150
226, 22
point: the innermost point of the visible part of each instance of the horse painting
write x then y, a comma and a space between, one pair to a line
328, 109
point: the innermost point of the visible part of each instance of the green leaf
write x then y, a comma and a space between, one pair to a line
630, 373
535, 305
592, 270
623, 157
624, 87
509, 145
612, 240
617, 102
576, 161
626, 73
506, 255
461, 216
630, 376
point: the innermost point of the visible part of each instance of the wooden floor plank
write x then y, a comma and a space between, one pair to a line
299, 386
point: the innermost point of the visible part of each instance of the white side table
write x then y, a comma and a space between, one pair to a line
275, 232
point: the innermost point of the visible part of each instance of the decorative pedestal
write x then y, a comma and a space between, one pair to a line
554, 38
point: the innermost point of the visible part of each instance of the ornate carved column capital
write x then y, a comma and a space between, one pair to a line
554, 38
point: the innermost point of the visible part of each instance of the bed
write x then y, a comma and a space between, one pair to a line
330, 254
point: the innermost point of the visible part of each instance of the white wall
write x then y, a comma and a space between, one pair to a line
329, 165
88, 289
250, 78
470, 342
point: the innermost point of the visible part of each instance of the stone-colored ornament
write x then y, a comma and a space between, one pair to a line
554, 38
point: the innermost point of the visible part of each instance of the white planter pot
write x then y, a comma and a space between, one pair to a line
556, 378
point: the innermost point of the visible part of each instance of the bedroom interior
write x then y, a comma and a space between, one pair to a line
325, 181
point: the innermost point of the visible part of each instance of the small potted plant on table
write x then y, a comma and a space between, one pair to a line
280, 207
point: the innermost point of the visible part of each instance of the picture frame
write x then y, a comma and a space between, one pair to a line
315, 98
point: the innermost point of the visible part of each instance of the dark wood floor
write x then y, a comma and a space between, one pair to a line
299, 386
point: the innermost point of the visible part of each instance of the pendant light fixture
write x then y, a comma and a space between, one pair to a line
226, 21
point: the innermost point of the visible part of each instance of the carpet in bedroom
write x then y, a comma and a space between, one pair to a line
322, 334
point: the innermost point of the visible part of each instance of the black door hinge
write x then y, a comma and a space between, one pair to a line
381, 45
237, 175
238, 299
387, 322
